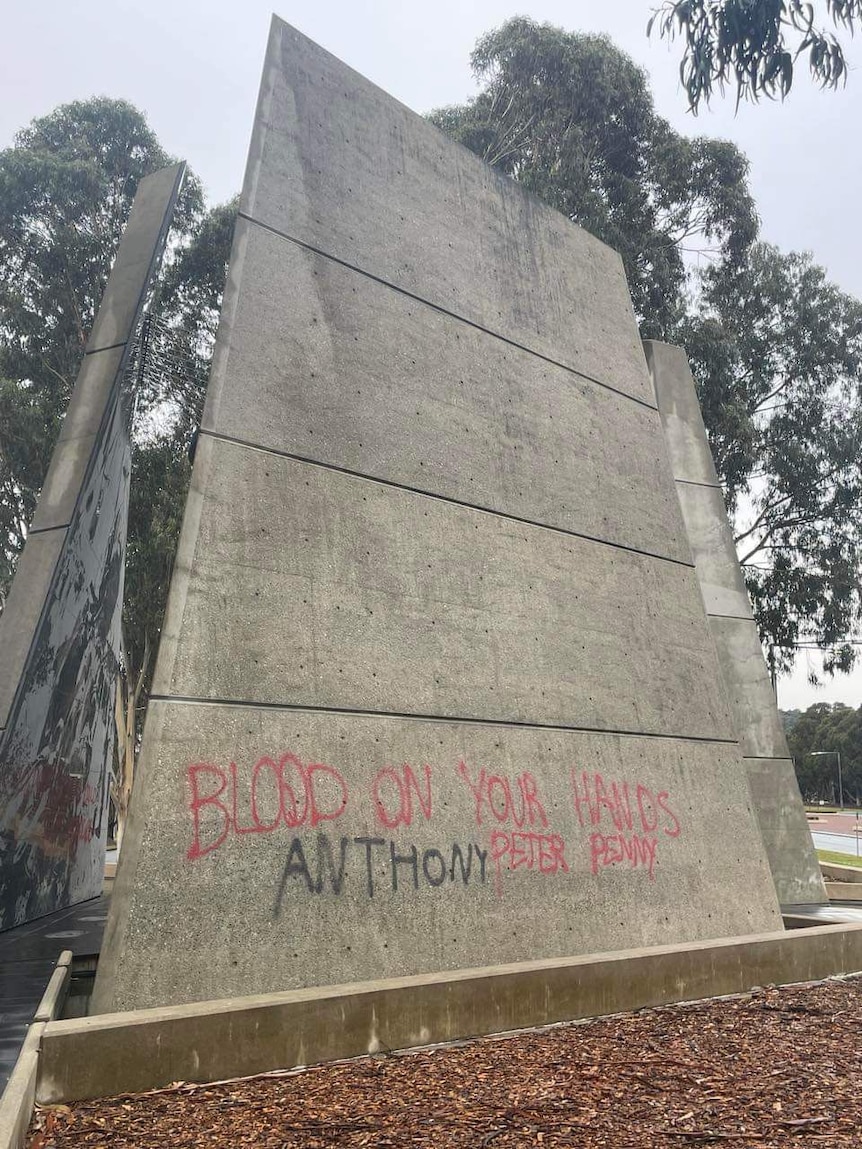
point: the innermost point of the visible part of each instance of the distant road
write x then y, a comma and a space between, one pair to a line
843, 843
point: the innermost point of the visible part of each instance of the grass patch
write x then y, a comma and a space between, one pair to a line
838, 859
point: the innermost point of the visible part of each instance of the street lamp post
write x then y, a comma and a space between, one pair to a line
837, 753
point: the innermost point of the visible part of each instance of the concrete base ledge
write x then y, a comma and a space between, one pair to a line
844, 891
210, 1041
835, 873
51, 1005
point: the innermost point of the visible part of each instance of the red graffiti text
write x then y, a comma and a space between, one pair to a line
637, 815
284, 792
394, 792
499, 800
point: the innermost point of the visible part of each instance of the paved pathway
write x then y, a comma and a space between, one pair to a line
27, 957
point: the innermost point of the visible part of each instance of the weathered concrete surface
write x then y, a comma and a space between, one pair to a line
785, 830
60, 631
149, 1049
361, 596
713, 549
340, 166
749, 690
318, 903
843, 891
684, 432
78, 439
394, 561
771, 776
432, 403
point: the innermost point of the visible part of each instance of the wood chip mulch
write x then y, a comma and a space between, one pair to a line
778, 1067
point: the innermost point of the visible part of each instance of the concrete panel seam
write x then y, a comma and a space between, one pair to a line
443, 310
696, 483
47, 530
186, 700
391, 483
107, 347
738, 617
763, 758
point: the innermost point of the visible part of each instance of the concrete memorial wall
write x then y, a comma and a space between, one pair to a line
436, 687
771, 775
60, 629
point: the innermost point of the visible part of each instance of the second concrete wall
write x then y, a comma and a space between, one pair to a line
771, 776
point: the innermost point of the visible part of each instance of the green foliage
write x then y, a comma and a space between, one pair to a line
572, 118
188, 305
25, 451
160, 477
839, 859
828, 727
776, 350
754, 44
789, 718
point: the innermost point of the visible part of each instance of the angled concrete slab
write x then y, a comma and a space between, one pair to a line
361, 596
414, 846
78, 434
769, 768
436, 686
340, 166
713, 550
433, 404
60, 631
761, 733
685, 434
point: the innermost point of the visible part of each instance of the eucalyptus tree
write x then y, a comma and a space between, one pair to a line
754, 45
572, 118
777, 353
775, 347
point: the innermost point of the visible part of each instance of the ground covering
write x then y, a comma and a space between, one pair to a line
778, 1067
839, 859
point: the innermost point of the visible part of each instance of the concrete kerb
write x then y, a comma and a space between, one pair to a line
835, 873
148, 1049
844, 891
54, 996
16, 1103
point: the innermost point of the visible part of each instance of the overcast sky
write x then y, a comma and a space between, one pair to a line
193, 67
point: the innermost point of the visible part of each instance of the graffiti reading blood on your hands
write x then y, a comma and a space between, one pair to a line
624, 823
